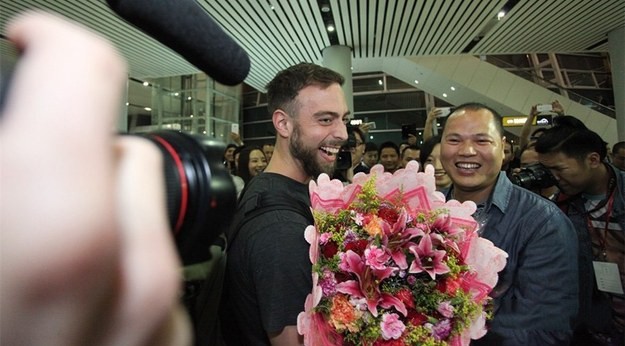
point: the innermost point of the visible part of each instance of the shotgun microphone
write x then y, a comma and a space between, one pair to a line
185, 27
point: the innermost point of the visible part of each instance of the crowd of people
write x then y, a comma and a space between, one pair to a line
96, 265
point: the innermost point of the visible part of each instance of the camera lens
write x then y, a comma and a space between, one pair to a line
533, 177
201, 198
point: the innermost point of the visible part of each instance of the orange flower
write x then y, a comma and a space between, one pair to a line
373, 226
343, 314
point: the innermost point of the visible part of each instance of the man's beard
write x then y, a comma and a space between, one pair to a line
307, 156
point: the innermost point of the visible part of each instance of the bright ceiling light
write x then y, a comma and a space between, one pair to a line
148, 109
146, 83
380, 82
416, 81
444, 95
501, 14
453, 89
330, 28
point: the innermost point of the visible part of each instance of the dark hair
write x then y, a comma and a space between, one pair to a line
370, 146
537, 131
409, 147
286, 85
572, 138
356, 129
618, 146
244, 162
475, 106
427, 148
388, 144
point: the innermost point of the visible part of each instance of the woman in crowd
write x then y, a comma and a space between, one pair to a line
430, 155
252, 162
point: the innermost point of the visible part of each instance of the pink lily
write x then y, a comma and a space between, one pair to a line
367, 286
427, 259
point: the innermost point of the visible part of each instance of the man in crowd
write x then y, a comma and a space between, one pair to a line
269, 273
268, 150
592, 195
618, 155
389, 156
409, 153
369, 159
536, 295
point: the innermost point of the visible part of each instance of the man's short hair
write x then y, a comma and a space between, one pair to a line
618, 146
410, 147
286, 85
572, 138
370, 146
388, 144
475, 106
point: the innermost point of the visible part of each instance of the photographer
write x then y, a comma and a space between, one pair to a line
533, 176
593, 197
87, 257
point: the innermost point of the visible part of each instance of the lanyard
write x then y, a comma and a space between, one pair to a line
602, 237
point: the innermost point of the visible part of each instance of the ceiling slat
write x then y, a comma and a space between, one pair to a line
294, 30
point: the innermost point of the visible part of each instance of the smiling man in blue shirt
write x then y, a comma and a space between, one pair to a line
536, 298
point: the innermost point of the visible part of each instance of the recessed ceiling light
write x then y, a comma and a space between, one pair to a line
146, 83
444, 95
501, 14
325, 8
380, 82
330, 28
148, 109
416, 81
189, 98
453, 89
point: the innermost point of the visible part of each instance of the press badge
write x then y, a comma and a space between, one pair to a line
608, 277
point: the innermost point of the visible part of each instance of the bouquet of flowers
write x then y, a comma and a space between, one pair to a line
394, 264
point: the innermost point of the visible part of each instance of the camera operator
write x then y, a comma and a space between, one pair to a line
87, 258
593, 197
533, 176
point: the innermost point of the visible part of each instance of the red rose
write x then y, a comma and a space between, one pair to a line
357, 246
405, 295
388, 214
449, 285
329, 249
416, 318
391, 342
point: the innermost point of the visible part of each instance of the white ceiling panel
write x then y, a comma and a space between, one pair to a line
279, 33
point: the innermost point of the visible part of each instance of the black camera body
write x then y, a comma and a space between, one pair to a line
344, 158
201, 197
534, 177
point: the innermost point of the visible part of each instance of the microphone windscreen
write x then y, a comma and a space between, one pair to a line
186, 28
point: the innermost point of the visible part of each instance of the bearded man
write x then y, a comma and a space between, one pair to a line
268, 274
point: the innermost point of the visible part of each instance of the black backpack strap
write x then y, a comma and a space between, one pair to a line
251, 207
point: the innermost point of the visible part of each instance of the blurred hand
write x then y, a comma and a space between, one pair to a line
236, 138
557, 107
87, 258
533, 112
433, 114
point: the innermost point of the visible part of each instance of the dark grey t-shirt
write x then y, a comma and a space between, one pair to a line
268, 273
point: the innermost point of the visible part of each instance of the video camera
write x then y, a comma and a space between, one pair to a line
201, 197
344, 159
533, 177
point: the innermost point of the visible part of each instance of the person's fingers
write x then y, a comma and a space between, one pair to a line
59, 246
68, 135
150, 267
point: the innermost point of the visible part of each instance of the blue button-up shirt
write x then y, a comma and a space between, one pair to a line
536, 297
